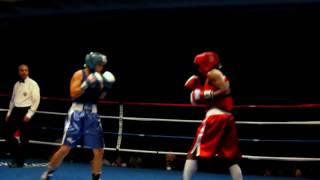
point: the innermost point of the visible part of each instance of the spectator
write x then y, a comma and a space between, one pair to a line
106, 162
298, 172
135, 161
119, 162
170, 161
268, 172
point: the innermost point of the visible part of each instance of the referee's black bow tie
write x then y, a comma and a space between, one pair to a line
21, 80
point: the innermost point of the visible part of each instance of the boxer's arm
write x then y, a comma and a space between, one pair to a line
217, 80
75, 85
193, 82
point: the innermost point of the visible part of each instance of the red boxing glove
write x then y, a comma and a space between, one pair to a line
193, 82
198, 96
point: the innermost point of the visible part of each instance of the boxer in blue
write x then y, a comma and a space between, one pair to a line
87, 86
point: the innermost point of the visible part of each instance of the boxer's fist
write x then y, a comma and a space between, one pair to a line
195, 96
193, 82
198, 96
93, 80
108, 79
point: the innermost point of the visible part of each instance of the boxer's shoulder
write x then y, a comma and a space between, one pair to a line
78, 74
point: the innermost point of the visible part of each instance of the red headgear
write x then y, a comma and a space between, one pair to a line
207, 61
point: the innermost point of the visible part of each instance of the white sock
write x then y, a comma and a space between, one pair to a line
190, 167
235, 172
48, 173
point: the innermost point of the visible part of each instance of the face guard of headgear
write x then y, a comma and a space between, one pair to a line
94, 58
207, 61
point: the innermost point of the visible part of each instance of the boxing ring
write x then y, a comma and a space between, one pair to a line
161, 136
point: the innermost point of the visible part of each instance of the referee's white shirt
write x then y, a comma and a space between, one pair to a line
25, 94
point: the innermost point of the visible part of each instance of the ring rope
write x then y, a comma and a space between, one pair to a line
121, 117
119, 139
188, 121
159, 119
250, 157
191, 137
63, 99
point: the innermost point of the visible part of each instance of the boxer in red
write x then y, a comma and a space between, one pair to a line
217, 135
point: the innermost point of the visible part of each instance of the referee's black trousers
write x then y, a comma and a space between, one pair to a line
14, 123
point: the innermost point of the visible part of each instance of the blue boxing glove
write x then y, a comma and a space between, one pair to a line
92, 81
108, 81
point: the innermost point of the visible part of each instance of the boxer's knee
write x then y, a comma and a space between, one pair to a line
64, 150
98, 153
191, 156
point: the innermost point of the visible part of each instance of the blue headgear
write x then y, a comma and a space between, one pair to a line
94, 58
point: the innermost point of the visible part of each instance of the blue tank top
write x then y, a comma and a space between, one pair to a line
91, 94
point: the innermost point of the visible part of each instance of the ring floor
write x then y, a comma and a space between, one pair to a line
81, 171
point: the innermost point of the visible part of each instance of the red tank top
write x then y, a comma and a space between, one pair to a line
223, 102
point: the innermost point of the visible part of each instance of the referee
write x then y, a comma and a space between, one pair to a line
23, 104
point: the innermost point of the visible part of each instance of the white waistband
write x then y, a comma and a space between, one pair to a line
216, 111
83, 107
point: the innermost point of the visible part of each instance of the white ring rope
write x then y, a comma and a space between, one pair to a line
188, 121
279, 123
280, 158
160, 119
237, 122
62, 114
121, 118
250, 157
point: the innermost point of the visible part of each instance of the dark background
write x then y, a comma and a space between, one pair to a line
270, 52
